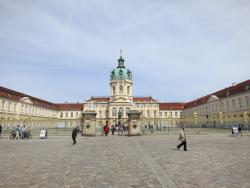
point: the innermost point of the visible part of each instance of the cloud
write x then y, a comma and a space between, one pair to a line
177, 50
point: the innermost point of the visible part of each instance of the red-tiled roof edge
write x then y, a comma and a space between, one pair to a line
234, 89
69, 106
146, 98
40, 102
171, 106
93, 98
21, 95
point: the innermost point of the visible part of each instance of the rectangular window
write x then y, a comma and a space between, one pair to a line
61, 115
154, 113
247, 100
227, 105
76, 114
181, 114
3, 103
15, 107
148, 113
222, 106
71, 114
170, 114
9, 106
233, 102
175, 114
160, 114
166, 114
66, 114
239, 100
100, 114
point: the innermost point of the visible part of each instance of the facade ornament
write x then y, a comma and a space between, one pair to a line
90, 106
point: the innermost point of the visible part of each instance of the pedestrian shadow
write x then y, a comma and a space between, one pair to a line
175, 149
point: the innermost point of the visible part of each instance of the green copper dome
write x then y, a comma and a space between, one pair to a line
121, 72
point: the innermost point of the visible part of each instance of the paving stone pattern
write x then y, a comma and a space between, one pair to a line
119, 161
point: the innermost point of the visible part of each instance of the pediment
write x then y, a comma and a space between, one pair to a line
212, 98
26, 100
119, 100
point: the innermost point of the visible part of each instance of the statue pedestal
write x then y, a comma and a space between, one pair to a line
133, 123
88, 123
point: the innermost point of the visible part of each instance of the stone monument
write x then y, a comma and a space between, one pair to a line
133, 123
89, 123
89, 120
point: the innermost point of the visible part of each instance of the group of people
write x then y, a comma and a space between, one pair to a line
239, 129
21, 132
119, 128
182, 136
106, 130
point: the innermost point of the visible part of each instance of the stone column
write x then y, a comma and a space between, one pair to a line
133, 123
88, 122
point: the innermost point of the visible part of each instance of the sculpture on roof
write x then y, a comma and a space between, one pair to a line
90, 106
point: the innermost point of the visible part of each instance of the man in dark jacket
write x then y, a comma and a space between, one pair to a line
1, 128
74, 134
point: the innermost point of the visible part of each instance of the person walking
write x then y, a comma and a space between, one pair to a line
106, 128
74, 134
113, 129
1, 128
23, 132
119, 128
17, 132
182, 138
239, 130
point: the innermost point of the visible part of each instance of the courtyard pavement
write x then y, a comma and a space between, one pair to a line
119, 161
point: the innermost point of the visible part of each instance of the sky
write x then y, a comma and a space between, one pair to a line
64, 50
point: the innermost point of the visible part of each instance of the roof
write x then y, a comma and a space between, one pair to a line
99, 99
229, 91
14, 95
70, 106
17, 96
144, 99
171, 106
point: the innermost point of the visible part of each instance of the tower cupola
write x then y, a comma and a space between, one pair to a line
121, 81
121, 63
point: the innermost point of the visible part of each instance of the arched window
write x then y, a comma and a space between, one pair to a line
121, 89
128, 90
113, 90
114, 111
148, 113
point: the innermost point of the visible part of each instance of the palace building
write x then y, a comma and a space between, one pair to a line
21, 109
223, 109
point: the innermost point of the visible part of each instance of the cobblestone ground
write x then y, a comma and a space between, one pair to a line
119, 161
